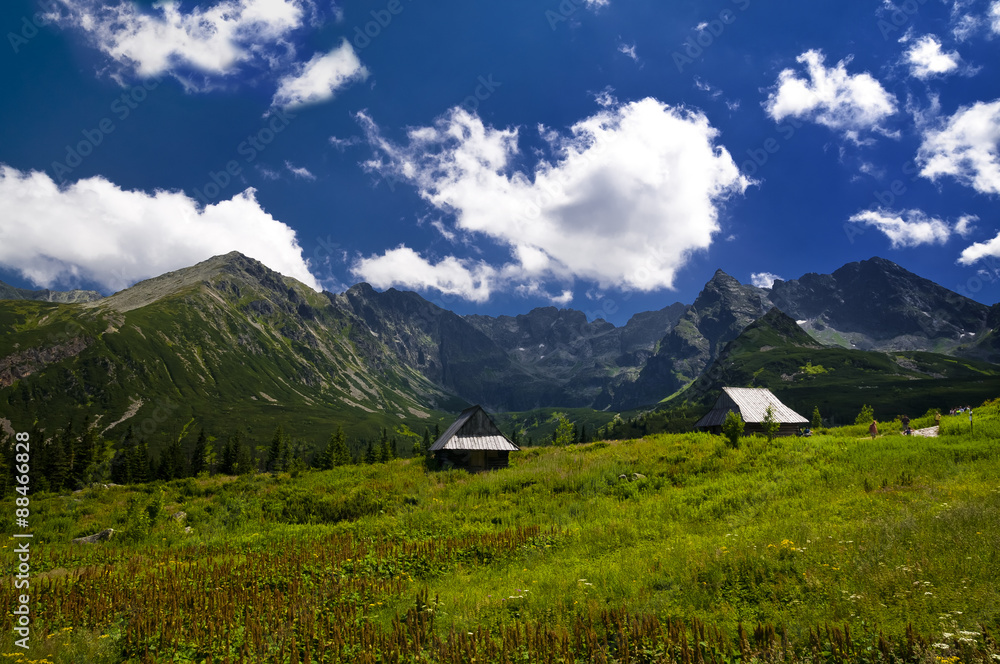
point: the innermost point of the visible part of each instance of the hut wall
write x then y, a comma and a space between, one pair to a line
474, 460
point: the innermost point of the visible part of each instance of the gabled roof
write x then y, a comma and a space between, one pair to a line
751, 403
473, 430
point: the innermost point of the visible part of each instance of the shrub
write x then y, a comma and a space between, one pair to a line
732, 428
866, 415
771, 425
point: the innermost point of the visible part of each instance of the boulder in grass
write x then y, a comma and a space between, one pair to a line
96, 537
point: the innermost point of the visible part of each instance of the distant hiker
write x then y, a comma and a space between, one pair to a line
873, 429
937, 419
906, 422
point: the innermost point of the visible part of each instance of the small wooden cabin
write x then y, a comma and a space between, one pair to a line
751, 404
473, 442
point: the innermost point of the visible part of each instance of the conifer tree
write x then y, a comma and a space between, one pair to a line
277, 452
245, 463
817, 419
69, 445
227, 458
370, 457
199, 453
341, 454
324, 460
85, 456
139, 463
55, 465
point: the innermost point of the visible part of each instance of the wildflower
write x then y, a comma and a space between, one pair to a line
940, 646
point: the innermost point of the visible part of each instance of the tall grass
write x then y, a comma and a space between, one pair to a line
669, 548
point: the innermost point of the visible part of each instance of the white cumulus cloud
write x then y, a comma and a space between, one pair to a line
965, 146
165, 39
966, 224
995, 17
403, 266
319, 79
830, 96
926, 58
764, 279
979, 250
624, 199
93, 230
907, 228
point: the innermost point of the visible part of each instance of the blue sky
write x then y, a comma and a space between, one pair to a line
606, 155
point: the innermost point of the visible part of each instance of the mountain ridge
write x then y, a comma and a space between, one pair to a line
229, 338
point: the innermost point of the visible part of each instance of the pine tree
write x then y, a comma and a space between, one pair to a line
227, 458
85, 457
140, 463
393, 449
370, 457
277, 451
55, 465
437, 432
817, 419
427, 438
198, 455
244, 460
341, 453
69, 445
324, 460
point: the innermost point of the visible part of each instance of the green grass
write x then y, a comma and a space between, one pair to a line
894, 537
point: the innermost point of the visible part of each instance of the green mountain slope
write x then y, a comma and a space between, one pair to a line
225, 344
8, 292
774, 352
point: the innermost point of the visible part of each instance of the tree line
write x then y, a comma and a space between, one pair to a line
77, 456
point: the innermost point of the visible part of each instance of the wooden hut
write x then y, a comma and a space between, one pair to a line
473, 442
751, 404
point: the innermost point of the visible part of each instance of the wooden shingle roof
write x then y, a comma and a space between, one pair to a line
751, 403
473, 430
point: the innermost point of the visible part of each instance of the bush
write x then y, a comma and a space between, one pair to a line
732, 428
866, 415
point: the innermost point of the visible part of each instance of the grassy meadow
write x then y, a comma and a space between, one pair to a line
674, 547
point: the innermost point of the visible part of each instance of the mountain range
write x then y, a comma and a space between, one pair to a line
230, 343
